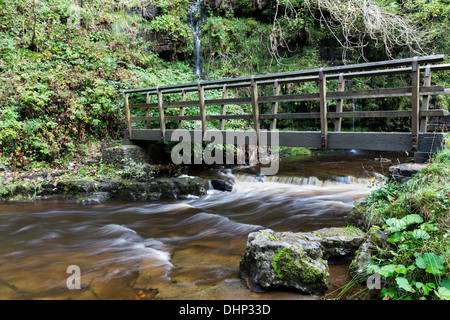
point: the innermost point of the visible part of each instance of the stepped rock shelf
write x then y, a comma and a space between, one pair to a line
94, 192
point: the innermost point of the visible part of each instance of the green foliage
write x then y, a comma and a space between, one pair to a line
137, 171
425, 276
294, 151
415, 263
63, 64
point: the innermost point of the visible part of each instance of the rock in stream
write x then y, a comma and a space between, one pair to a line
296, 259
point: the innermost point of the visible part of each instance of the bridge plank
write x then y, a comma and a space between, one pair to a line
375, 141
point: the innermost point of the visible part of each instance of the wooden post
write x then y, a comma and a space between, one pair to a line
415, 97
276, 92
201, 101
147, 112
254, 92
223, 107
323, 108
425, 100
162, 121
128, 115
183, 98
339, 103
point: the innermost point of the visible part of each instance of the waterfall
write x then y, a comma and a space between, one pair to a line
194, 20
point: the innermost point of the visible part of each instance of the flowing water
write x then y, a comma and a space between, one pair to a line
185, 249
194, 21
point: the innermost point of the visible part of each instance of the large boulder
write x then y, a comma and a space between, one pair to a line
295, 260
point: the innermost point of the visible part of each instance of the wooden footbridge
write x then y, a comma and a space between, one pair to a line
151, 121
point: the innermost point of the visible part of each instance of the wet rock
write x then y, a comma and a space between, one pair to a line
338, 244
74, 187
222, 184
404, 171
284, 260
91, 192
296, 260
119, 155
95, 198
373, 243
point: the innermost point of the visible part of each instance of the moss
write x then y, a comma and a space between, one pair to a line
291, 265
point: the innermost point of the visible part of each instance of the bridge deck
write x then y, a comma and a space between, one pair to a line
376, 141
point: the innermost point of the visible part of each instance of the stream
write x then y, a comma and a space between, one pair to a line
176, 249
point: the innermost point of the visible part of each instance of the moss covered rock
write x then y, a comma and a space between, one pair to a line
296, 260
284, 260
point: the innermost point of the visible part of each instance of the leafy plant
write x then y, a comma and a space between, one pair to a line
137, 171
424, 276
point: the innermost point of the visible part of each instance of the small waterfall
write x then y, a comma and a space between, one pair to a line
194, 20
302, 181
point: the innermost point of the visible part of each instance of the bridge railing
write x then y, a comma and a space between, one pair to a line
412, 67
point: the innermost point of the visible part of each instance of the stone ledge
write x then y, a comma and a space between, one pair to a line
92, 192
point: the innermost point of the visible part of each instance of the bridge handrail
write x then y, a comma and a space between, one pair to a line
292, 74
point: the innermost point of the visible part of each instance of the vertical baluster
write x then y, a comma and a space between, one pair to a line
276, 92
128, 115
223, 107
183, 98
147, 112
201, 100
415, 83
323, 108
339, 103
425, 100
162, 123
254, 92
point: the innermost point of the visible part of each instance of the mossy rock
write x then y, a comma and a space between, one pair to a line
283, 260
300, 270
375, 241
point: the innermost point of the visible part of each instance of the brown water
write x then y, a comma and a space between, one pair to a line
185, 249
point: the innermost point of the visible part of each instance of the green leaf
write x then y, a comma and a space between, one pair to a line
420, 234
403, 283
431, 262
397, 237
387, 270
400, 269
443, 293
395, 224
412, 267
373, 268
412, 218
445, 283
423, 289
